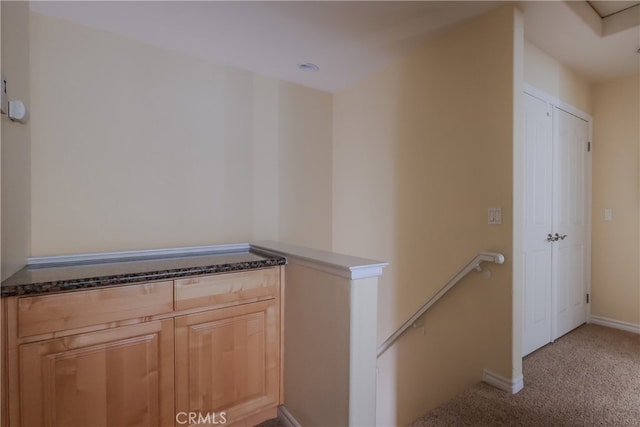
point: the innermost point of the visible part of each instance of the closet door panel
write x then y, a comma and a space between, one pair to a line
571, 219
536, 255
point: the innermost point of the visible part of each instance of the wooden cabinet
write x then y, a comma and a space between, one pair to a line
116, 377
228, 360
138, 355
228, 352
93, 357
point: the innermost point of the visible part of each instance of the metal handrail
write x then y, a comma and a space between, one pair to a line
474, 264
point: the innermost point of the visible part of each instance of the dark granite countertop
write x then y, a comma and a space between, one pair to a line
32, 280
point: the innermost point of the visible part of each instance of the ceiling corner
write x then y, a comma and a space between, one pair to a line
587, 14
622, 21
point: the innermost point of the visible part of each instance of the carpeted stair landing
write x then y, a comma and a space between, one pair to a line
589, 377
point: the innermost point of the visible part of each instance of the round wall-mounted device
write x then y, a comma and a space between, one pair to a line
17, 111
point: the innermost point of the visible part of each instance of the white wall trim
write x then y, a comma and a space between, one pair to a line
141, 254
346, 266
616, 324
556, 102
363, 340
502, 383
286, 418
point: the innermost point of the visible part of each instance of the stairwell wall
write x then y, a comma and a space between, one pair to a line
421, 150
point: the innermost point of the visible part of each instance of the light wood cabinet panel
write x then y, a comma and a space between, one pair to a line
4, 360
227, 289
227, 360
138, 355
69, 310
118, 377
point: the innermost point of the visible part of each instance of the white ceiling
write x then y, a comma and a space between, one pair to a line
578, 41
346, 39
609, 7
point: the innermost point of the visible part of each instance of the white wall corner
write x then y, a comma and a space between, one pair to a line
510, 386
362, 352
286, 418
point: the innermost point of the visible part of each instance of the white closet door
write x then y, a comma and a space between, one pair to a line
556, 223
570, 219
538, 189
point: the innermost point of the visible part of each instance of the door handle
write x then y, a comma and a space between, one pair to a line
555, 237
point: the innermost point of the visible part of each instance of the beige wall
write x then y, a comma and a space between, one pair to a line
615, 275
330, 344
16, 145
548, 74
316, 352
421, 150
305, 167
137, 147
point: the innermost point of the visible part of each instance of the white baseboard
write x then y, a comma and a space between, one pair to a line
286, 418
502, 383
616, 324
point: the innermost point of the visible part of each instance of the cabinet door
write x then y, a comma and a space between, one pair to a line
227, 360
118, 377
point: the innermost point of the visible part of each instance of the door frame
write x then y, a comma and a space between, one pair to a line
518, 268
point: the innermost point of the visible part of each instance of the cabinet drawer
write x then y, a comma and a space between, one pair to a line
52, 313
224, 289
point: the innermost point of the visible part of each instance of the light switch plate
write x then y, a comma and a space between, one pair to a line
608, 214
495, 216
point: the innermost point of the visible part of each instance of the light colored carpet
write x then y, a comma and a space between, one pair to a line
589, 377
